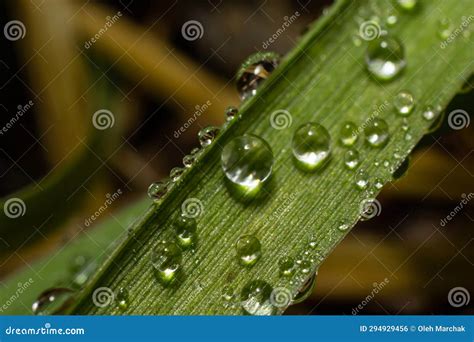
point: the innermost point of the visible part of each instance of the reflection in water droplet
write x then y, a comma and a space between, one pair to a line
348, 135
231, 113
249, 250
361, 179
256, 69
287, 266
157, 190
311, 146
176, 173
52, 301
376, 133
247, 161
407, 5
351, 159
166, 261
385, 57
404, 103
255, 298
186, 231
207, 135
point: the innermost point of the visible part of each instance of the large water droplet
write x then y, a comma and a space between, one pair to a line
186, 231
287, 266
247, 161
122, 298
311, 146
166, 261
207, 135
249, 250
52, 301
404, 103
351, 159
407, 5
255, 69
348, 135
255, 298
385, 57
157, 190
376, 133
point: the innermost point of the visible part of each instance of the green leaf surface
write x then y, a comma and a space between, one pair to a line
324, 80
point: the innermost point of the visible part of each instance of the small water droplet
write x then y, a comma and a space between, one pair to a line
311, 146
378, 183
407, 5
348, 135
356, 40
255, 69
445, 28
430, 113
255, 298
376, 133
385, 57
287, 266
361, 179
231, 113
84, 273
228, 296
391, 20
351, 159
247, 161
186, 232
207, 135
166, 261
305, 266
157, 190
122, 298
249, 250
52, 301
404, 103
343, 226
176, 173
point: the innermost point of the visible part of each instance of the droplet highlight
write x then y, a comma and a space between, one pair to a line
311, 146
376, 133
249, 250
166, 261
404, 103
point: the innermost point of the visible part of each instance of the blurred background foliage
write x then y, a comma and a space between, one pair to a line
152, 79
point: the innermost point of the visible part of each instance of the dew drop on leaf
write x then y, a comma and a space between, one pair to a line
351, 159
311, 146
376, 133
166, 261
249, 250
255, 298
404, 103
385, 57
52, 301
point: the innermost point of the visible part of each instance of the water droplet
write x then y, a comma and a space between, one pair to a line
255, 298
166, 261
287, 266
157, 190
249, 250
351, 159
376, 133
430, 113
247, 161
378, 183
83, 274
407, 5
228, 296
52, 301
188, 160
231, 113
445, 28
391, 20
305, 266
186, 232
176, 173
207, 135
311, 146
256, 69
356, 40
122, 298
361, 179
343, 226
348, 135
404, 103
385, 57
